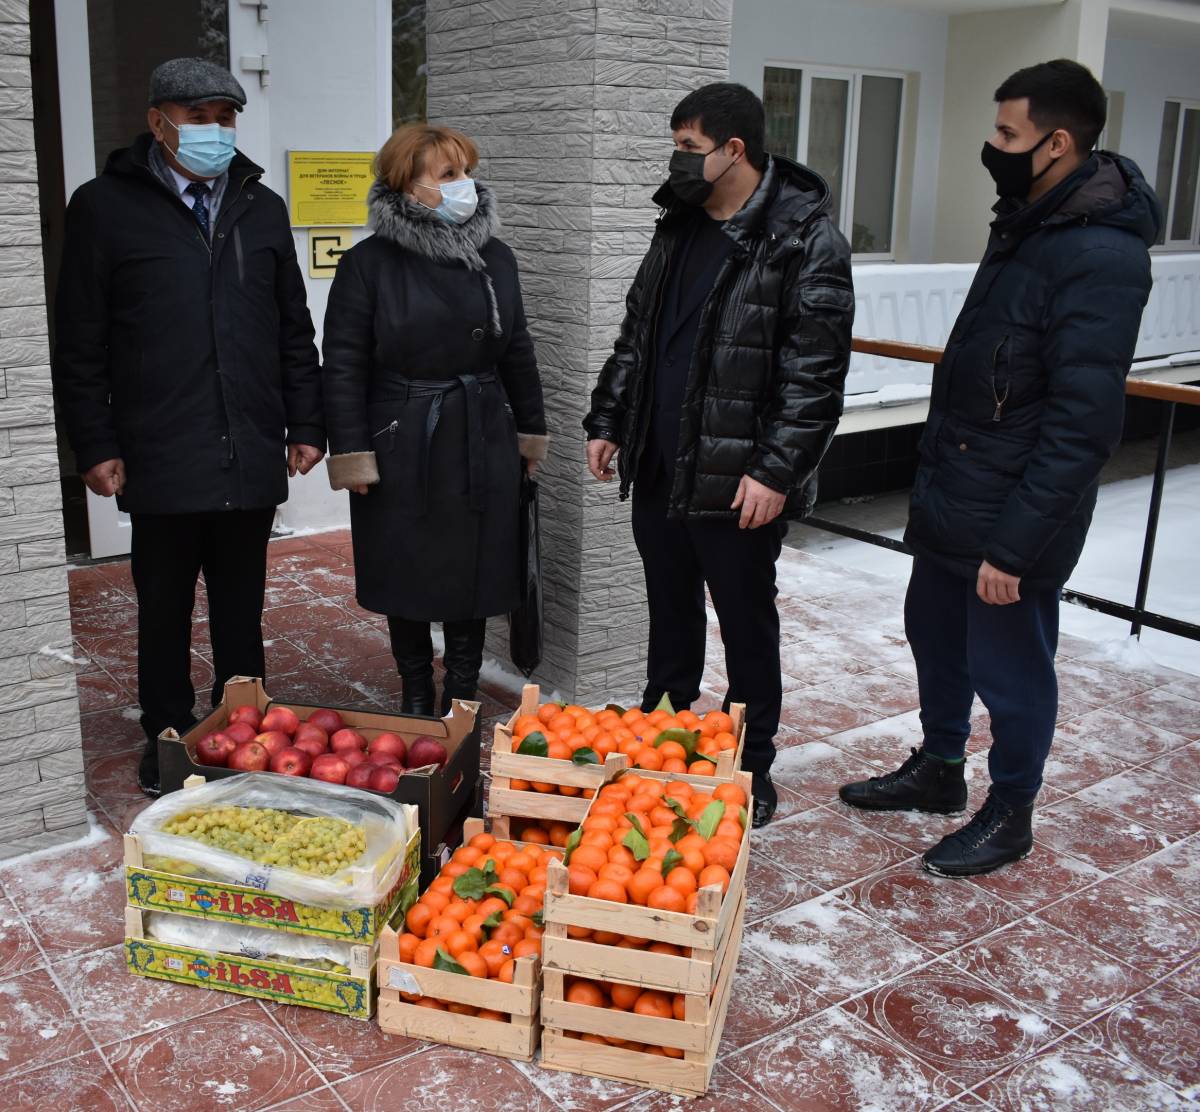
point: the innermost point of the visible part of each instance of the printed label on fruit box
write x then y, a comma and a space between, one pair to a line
177, 895
175, 964
257, 880
404, 981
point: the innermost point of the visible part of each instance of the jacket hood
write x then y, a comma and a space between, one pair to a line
397, 218
1108, 189
787, 197
134, 161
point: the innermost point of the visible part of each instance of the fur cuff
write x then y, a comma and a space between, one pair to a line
352, 469
533, 445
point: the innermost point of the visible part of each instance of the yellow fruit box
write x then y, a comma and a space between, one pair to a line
158, 890
350, 994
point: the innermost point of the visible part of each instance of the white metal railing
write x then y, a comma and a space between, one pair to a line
918, 303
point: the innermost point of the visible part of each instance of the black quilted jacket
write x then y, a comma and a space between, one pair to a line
764, 391
1029, 400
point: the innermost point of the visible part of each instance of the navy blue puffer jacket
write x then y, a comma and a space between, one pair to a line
1029, 399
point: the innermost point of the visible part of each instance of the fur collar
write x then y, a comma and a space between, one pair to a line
400, 220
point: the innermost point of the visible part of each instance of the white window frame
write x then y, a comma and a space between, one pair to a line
853, 76
1168, 202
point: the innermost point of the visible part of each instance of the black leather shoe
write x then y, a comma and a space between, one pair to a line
463, 657
922, 783
996, 835
417, 696
147, 775
766, 798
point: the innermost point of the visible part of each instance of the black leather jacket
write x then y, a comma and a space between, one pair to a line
764, 391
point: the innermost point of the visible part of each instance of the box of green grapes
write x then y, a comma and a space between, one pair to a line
251, 851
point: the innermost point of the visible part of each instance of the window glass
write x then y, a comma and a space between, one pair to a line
1184, 213
408, 62
828, 116
781, 99
875, 167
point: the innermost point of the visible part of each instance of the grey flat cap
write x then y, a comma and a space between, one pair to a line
194, 81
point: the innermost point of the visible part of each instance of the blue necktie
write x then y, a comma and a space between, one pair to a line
200, 190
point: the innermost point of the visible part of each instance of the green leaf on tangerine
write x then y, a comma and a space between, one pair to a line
710, 818
534, 745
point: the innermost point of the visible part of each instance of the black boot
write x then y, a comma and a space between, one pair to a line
922, 783
412, 647
147, 774
766, 798
996, 835
463, 657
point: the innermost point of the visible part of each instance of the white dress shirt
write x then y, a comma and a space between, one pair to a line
217, 191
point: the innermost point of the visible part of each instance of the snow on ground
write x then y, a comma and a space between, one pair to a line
1108, 567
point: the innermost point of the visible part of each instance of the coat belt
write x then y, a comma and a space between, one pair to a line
437, 389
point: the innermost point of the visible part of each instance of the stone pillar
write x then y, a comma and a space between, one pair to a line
41, 759
569, 101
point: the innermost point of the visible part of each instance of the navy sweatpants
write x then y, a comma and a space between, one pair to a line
1005, 654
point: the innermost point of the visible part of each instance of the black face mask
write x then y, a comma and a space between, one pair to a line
687, 176
1012, 171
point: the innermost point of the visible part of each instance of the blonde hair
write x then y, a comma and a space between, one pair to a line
405, 154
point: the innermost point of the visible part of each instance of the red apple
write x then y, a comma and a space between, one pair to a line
250, 715
360, 775
215, 749
282, 719
274, 741
347, 739
331, 768
384, 780
353, 757
310, 745
250, 757
328, 720
426, 751
389, 743
240, 731
389, 759
308, 730
291, 762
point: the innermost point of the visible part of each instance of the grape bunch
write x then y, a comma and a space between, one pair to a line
317, 845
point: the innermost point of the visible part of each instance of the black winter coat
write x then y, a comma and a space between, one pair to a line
192, 365
432, 396
764, 390
1029, 399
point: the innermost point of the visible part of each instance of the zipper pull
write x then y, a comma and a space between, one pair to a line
999, 409
392, 435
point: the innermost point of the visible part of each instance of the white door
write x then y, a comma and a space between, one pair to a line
106, 50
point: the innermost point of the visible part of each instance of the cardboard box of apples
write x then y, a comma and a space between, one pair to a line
431, 762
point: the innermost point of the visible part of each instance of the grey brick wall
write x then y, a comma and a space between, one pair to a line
569, 101
41, 758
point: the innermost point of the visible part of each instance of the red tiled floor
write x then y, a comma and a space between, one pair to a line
955, 1023
841, 998
85, 1081
234, 1059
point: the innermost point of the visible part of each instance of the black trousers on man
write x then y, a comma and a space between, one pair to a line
680, 557
169, 551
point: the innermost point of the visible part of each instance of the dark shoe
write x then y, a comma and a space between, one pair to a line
148, 771
766, 798
995, 836
448, 697
922, 783
417, 696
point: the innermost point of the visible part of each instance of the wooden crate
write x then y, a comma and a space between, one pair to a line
517, 1039
505, 804
697, 1035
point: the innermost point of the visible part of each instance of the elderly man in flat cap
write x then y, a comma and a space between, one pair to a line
185, 370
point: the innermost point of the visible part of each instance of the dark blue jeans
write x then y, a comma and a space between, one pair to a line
963, 646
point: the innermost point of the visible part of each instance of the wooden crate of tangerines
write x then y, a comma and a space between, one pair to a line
467, 969
548, 760
643, 925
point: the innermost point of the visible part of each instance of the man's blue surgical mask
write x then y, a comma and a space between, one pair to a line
204, 149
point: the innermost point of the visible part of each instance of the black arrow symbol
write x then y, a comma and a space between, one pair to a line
332, 253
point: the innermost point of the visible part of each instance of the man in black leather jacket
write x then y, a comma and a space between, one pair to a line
722, 394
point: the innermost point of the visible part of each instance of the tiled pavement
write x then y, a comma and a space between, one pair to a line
1069, 981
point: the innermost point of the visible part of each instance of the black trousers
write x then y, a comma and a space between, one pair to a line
738, 565
169, 551
961, 646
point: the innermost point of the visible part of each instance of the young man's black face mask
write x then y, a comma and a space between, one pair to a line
1012, 171
687, 176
